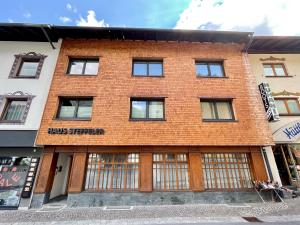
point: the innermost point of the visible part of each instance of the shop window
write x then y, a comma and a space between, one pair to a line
14, 110
83, 67
72, 108
274, 69
217, 110
147, 109
226, 171
112, 172
170, 172
151, 68
210, 69
27, 65
287, 106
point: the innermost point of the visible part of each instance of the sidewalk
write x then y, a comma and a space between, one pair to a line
170, 214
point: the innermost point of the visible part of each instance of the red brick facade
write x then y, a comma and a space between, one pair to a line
114, 85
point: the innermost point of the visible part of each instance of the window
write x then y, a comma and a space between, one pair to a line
288, 106
226, 170
112, 172
210, 69
274, 69
147, 109
216, 110
14, 110
170, 172
27, 65
147, 68
71, 108
83, 66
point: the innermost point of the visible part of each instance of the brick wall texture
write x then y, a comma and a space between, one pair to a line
114, 85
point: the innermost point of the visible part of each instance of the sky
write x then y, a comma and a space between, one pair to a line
264, 17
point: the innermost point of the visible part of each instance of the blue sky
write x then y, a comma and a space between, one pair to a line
264, 17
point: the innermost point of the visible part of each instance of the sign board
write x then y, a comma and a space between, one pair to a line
27, 189
269, 102
76, 131
289, 133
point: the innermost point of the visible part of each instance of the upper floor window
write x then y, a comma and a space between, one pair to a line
83, 66
75, 108
151, 68
209, 69
27, 65
213, 110
288, 106
14, 110
147, 109
274, 69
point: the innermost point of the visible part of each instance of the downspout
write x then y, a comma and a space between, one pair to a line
47, 36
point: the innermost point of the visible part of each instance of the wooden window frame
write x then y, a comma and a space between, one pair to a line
28, 57
6, 107
125, 189
229, 170
147, 100
175, 162
85, 61
215, 101
274, 71
147, 62
208, 64
287, 106
77, 99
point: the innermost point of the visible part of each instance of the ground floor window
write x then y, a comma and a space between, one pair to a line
226, 170
170, 172
112, 172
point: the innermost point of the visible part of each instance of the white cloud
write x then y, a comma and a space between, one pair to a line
27, 15
10, 20
277, 17
65, 19
91, 21
71, 8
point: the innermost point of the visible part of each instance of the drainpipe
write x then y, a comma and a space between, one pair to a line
47, 36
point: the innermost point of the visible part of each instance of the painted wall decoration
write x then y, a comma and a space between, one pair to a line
288, 133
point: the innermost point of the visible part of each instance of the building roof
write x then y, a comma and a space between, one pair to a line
275, 44
46, 32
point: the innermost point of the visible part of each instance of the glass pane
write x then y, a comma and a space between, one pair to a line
216, 70
279, 70
224, 111
76, 67
268, 71
208, 111
91, 68
139, 69
293, 106
281, 107
28, 69
15, 110
156, 109
85, 109
202, 69
138, 109
67, 109
155, 69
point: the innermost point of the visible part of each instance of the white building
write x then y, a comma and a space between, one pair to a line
276, 61
28, 55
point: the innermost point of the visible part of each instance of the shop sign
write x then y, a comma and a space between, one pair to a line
76, 131
269, 102
29, 181
288, 133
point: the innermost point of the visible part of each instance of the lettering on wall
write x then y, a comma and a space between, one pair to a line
76, 131
288, 133
269, 102
29, 181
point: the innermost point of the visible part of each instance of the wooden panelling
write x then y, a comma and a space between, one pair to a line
258, 166
46, 173
196, 173
77, 175
146, 172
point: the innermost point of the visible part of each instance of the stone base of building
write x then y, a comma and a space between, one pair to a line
88, 199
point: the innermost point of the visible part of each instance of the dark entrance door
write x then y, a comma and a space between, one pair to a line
283, 172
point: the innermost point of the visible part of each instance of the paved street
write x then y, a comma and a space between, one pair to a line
279, 213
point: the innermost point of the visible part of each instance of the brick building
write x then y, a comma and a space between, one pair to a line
147, 116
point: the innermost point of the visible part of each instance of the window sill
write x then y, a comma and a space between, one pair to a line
21, 77
81, 75
197, 76
212, 120
12, 122
162, 76
288, 76
296, 114
142, 120
73, 119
